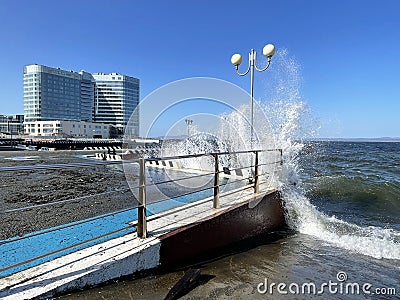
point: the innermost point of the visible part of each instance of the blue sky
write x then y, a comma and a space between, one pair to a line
347, 50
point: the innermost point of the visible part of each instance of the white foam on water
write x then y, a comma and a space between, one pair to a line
292, 123
372, 241
282, 119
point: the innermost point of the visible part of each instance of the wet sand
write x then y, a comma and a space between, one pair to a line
294, 258
33, 188
233, 276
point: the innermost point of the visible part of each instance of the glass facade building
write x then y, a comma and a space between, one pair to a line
56, 94
87, 97
53, 94
116, 98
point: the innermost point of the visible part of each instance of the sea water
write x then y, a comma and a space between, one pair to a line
345, 230
342, 202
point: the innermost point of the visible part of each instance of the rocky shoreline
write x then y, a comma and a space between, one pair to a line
34, 189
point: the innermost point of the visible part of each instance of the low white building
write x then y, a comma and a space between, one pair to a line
65, 129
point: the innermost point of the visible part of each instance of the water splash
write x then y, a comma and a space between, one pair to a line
292, 122
284, 120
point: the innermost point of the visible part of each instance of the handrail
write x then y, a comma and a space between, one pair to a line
142, 221
142, 186
63, 166
208, 154
21, 263
10, 240
179, 179
62, 201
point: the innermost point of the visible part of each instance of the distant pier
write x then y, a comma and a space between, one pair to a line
73, 144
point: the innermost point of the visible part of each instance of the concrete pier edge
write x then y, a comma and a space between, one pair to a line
198, 230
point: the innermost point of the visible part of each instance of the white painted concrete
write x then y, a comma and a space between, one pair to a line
115, 258
90, 266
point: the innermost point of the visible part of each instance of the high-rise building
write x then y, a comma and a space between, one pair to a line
56, 94
87, 97
116, 98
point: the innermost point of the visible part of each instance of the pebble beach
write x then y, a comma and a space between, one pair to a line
28, 199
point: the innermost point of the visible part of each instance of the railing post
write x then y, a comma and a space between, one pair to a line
256, 182
216, 182
142, 222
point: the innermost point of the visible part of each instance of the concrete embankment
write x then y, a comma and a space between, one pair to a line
176, 237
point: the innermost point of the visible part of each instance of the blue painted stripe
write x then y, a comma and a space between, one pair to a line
42, 242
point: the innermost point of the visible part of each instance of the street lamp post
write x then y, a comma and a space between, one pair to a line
236, 60
188, 123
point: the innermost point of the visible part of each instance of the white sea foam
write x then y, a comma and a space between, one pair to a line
282, 120
293, 122
372, 241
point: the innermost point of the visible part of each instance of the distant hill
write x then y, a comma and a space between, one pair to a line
371, 140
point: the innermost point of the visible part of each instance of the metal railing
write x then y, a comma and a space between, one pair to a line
141, 223
142, 219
